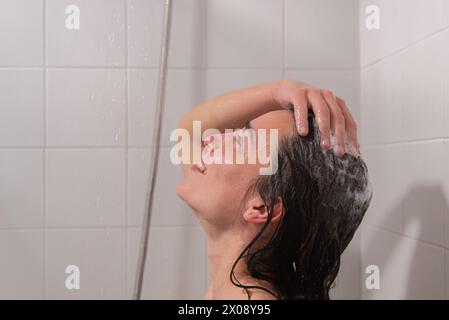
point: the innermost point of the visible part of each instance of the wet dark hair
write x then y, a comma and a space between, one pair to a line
324, 198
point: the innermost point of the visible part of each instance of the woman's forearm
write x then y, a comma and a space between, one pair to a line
233, 109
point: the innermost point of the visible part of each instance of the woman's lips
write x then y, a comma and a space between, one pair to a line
198, 168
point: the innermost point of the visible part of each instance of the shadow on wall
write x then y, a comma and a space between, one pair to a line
409, 268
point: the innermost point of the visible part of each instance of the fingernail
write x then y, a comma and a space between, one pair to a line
325, 143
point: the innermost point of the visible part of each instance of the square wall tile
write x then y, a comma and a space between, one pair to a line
387, 176
145, 18
424, 201
420, 18
100, 256
168, 208
424, 85
100, 39
86, 107
21, 32
22, 264
445, 186
447, 273
85, 187
244, 33
175, 266
187, 36
141, 106
21, 108
22, 188
381, 102
344, 83
445, 13
402, 22
222, 81
376, 44
408, 269
321, 34
185, 90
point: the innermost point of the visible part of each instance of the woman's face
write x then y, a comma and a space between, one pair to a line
217, 193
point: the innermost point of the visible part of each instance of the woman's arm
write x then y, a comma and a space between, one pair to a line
234, 109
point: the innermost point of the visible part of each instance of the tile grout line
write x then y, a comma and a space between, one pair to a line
197, 68
406, 142
408, 46
403, 235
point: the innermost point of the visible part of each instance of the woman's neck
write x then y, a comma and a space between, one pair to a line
223, 251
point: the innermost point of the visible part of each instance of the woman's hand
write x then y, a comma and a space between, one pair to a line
330, 112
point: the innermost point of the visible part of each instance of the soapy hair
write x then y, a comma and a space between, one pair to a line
324, 200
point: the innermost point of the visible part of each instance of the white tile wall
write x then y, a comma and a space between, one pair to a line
100, 40
21, 27
381, 101
244, 33
22, 264
408, 269
402, 22
187, 43
22, 109
145, 20
93, 114
85, 187
424, 201
446, 193
424, 73
183, 253
385, 167
447, 272
98, 253
141, 106
315, 36
404, 113
22, 188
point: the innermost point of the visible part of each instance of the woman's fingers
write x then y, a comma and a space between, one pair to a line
301, 113
322, 115
351, 125
337, 121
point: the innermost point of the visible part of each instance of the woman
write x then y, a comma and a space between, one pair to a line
280, 235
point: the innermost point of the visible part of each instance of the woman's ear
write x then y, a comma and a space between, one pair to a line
257, 212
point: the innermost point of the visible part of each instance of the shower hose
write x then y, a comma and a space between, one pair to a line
160, 104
